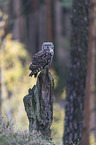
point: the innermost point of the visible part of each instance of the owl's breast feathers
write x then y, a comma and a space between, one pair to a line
40, 60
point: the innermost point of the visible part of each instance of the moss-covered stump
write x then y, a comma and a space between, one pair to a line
39, 104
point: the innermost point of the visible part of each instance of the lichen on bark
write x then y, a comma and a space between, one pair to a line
39, 104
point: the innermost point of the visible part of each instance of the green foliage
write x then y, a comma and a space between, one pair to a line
14, 65
9, 137
14, 61
3, 20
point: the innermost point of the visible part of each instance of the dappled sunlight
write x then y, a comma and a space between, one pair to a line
15, 80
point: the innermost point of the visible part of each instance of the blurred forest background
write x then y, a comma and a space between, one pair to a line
24, 26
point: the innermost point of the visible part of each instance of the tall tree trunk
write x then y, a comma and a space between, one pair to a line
49, 26
17, 13
77, 74
0, 92
90, 98
3, 90
42, 25
1, 47
57, 28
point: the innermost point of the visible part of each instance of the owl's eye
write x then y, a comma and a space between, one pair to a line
45, 47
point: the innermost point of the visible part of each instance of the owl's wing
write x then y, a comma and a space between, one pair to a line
39, 61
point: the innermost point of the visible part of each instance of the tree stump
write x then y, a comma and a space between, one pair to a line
39, 104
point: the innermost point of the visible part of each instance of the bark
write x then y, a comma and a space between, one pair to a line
49, 25
57, 28
77, 74
17, 12
1, 47
0, 94
42, 25
39, 104
90, 99
3, 89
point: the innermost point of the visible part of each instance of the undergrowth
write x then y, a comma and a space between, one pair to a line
8, 136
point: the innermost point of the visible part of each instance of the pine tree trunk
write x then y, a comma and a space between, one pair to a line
57, 28
90, 97
49, 24
77, 74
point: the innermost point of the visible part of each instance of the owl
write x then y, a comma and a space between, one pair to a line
42, 59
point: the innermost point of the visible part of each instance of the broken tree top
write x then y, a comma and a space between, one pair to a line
42, 59
39, 104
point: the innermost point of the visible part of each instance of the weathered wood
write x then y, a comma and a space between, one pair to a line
39, 104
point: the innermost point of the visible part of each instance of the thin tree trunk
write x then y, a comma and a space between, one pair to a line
3, 89
42, 25
49, 25
77, 74
0, 93
1, 47
57, 28
17, 13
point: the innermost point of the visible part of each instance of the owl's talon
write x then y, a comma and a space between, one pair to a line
30, 74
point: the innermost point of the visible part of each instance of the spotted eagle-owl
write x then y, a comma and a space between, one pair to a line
42, 59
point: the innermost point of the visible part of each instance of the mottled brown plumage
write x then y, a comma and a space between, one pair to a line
42, 59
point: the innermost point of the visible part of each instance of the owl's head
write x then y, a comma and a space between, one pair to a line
48, 45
